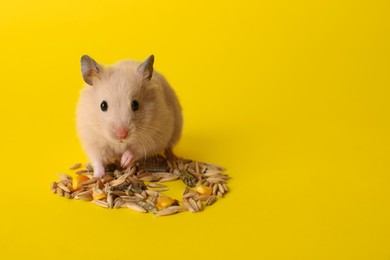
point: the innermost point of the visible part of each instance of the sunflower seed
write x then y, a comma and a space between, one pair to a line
147, 206
193, 204
215, 189
188, 205
188, 179
211, 200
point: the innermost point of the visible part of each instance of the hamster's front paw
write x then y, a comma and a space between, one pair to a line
98, 170
126, 159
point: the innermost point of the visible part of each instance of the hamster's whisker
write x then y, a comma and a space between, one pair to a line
142, 146
147, 139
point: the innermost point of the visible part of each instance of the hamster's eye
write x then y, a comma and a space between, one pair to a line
104, 106
134, 105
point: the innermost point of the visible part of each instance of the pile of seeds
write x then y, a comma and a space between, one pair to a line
140, 187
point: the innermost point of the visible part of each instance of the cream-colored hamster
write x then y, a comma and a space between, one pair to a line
126, 111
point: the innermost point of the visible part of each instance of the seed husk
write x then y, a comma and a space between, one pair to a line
210, 173
67, 195
215, 180
118, 193
220, 188
188, 205
87, 182
166, 179
81, 172
63, 187
120, 180
202, 197
100, 203
59, 191
200, 205
75, 166
85, 195
225, 187
156, 185
135, 207
110, 200
215, 189
186, 190
53, 187
150, 178
118, 204
151, 192
167, 211
75, 193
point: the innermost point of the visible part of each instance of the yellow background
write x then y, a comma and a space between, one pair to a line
291, 96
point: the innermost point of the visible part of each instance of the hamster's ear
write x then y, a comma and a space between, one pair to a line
90, 69
146, 68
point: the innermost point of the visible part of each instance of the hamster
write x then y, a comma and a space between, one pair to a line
126, 111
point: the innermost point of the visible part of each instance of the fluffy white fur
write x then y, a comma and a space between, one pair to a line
154, 127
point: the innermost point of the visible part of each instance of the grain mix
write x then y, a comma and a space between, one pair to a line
140, 186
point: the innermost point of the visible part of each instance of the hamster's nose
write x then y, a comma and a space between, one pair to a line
122, 132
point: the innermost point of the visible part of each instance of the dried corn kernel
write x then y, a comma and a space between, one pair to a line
164, 202
79, 179
204, 190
